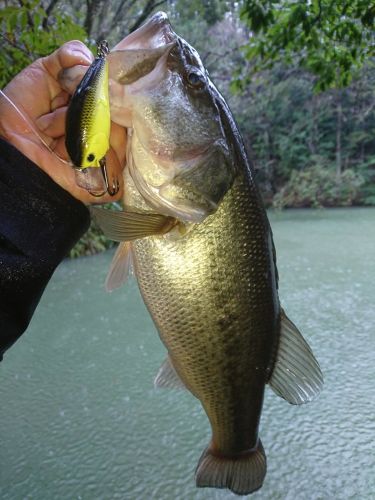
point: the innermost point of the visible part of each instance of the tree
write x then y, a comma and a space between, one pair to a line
330, 38
28, 31
114, 19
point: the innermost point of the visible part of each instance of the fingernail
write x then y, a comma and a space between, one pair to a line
85, 56
44, 122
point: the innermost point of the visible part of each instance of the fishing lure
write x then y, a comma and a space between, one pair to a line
88, 124
91, 110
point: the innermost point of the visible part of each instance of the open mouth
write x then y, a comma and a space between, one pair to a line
156, 32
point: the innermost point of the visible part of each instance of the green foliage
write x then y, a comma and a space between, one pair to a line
319, 186
288, 129
367, 171
92, 242
330, 38
27, 32
208, 11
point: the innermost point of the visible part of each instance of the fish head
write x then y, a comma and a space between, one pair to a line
179, 156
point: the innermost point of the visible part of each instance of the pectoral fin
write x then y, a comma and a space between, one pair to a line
121, 267
129, 226
296, 375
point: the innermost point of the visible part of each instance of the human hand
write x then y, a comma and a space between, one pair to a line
38, 94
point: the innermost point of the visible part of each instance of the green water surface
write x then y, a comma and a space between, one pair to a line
80, 418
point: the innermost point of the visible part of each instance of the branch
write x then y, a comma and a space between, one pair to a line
118, 13
30, 21
149, 7
18, 47
318, 16
48, 11
217, 55
51, 6
367, 112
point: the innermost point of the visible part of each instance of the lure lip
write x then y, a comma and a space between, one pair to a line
89, 180
96, 180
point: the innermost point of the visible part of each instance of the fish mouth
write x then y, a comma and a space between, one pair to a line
157, 31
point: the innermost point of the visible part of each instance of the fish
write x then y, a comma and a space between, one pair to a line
195, 232
88, 125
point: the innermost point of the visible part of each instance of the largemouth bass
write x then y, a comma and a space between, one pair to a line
201, 245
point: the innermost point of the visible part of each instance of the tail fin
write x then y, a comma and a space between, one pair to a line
242, 474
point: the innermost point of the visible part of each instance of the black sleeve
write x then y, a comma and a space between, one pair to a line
39, 223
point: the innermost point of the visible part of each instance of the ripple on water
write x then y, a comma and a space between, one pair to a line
80, 417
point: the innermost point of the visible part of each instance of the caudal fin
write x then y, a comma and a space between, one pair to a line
241, 474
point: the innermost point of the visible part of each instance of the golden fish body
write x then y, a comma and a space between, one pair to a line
212, 294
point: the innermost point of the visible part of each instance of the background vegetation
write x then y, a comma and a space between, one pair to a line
298, 75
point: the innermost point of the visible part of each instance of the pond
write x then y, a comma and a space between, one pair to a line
80, 418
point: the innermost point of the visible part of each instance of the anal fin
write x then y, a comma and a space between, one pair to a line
121, 267
167, 376
296, 374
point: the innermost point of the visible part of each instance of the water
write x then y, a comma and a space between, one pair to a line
80, 418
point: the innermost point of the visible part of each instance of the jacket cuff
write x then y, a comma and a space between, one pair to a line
37, 216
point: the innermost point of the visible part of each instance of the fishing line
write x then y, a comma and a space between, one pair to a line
33, 129
89, 180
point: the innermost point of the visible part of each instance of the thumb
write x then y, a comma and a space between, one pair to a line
70, 54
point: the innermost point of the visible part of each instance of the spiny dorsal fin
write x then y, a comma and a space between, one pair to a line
296, 375
167, 376
128, 226
121, 267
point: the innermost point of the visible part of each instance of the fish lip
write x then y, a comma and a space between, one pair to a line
155, 32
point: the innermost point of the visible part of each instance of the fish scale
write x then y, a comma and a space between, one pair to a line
220, 332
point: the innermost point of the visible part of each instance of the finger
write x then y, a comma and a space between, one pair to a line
69, 78
60, 100
53, 124
117, 140
68, 55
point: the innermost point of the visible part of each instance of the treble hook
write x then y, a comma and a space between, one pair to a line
114, 189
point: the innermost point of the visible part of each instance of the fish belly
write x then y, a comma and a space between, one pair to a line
212, 295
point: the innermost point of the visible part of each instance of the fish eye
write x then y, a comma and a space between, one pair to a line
195, 79
91, 157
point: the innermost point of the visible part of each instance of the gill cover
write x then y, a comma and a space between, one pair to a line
88, 117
